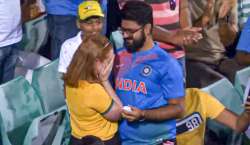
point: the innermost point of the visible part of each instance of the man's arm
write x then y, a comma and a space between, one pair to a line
185, 17
180, 37
174, 109
243, 58
232, 120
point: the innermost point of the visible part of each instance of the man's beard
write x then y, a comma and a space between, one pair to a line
136, 44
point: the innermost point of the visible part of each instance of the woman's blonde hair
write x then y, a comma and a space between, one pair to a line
82, 66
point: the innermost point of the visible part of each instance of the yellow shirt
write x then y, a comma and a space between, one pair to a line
86, 105
199, 106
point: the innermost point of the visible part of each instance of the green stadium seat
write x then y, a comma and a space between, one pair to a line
35, 34
47, 82
26, 62
117, 39
241, 79
4, 140
19, 105
31, 60
225, 92
45, 129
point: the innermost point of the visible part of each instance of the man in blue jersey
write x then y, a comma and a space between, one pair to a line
148, 80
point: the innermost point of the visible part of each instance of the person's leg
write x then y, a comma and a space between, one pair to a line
61, 28
200, 75
113, 141
75, 141
8, 59
4, 53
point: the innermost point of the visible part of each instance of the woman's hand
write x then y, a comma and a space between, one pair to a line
106, 69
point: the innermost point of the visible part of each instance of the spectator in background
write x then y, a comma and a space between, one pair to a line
243, 47
199, 107
171, 26
243, 12
10, 35
93, 105
62, 16
148, 80
208, 55
90, 21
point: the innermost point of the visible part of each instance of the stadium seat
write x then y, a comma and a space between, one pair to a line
225, 92
19, 105
45, 129
25, 72
47, 82
26, 62
4, 140
241, 79
35, 34
117, 39
31, 60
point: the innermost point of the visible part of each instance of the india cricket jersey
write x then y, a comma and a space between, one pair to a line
146, 80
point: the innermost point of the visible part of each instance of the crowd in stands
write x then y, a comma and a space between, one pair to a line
126, 72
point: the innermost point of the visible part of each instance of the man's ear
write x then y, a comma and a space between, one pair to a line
148, 29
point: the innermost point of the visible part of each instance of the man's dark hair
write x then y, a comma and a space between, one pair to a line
137, 11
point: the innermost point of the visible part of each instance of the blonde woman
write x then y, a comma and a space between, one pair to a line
93, 105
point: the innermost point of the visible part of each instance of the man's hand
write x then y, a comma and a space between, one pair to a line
225, 7
187, 36
134, 115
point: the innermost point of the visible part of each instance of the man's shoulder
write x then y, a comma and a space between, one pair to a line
121, 50
163, 54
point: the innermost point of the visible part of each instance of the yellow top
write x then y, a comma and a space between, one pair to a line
86, 105
199, 106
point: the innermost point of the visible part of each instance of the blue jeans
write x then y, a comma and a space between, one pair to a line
8, 59
61, 28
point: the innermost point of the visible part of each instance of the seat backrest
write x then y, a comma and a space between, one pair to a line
225, 92
31, 60
47, 82
35, 34
44, 128
241, 79
19, 105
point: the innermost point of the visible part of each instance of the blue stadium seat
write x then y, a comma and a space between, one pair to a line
19, 105
117, 39
47, 82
